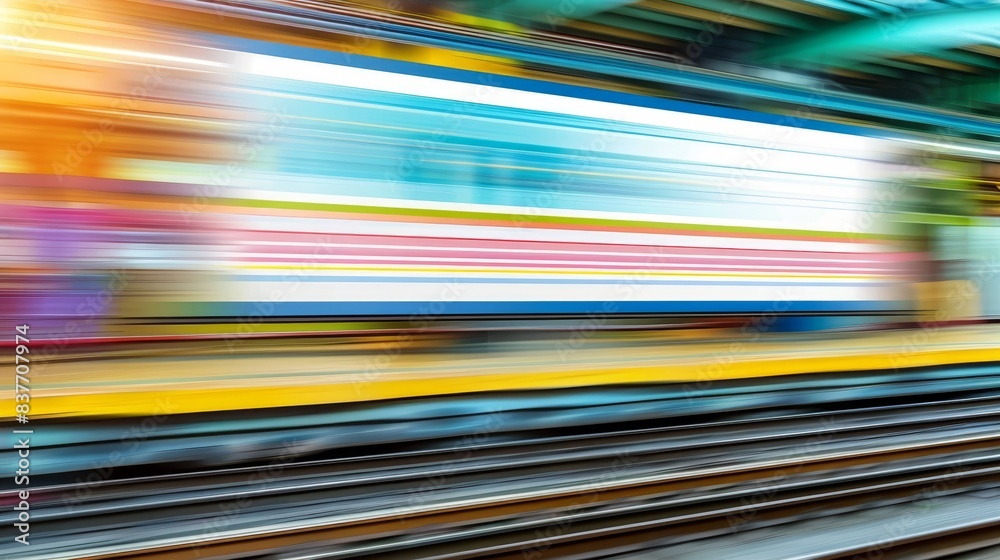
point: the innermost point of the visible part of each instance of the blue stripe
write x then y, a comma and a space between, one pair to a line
498, 280
525, 84
441, 308
608, 65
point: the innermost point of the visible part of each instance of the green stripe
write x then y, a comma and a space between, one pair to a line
938, 219
526, 219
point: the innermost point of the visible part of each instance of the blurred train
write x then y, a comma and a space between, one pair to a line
194, 176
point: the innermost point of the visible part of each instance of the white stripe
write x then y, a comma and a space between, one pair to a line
15, 40
377, 80
293, 271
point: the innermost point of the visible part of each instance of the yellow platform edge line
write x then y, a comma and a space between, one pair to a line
354, 389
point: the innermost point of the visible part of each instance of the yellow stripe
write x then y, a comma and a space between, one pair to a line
181, 401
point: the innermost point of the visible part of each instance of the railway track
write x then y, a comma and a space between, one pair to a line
230, 439
579, 495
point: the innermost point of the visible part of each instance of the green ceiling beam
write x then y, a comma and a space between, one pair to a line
908, 66
985, 91
642, 26
880, 70
968, 58
846, 7
658, 17
755, 12
552, 12
869, 40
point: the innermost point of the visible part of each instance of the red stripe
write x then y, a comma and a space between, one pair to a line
286, 252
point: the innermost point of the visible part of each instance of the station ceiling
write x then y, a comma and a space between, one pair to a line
943, 53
